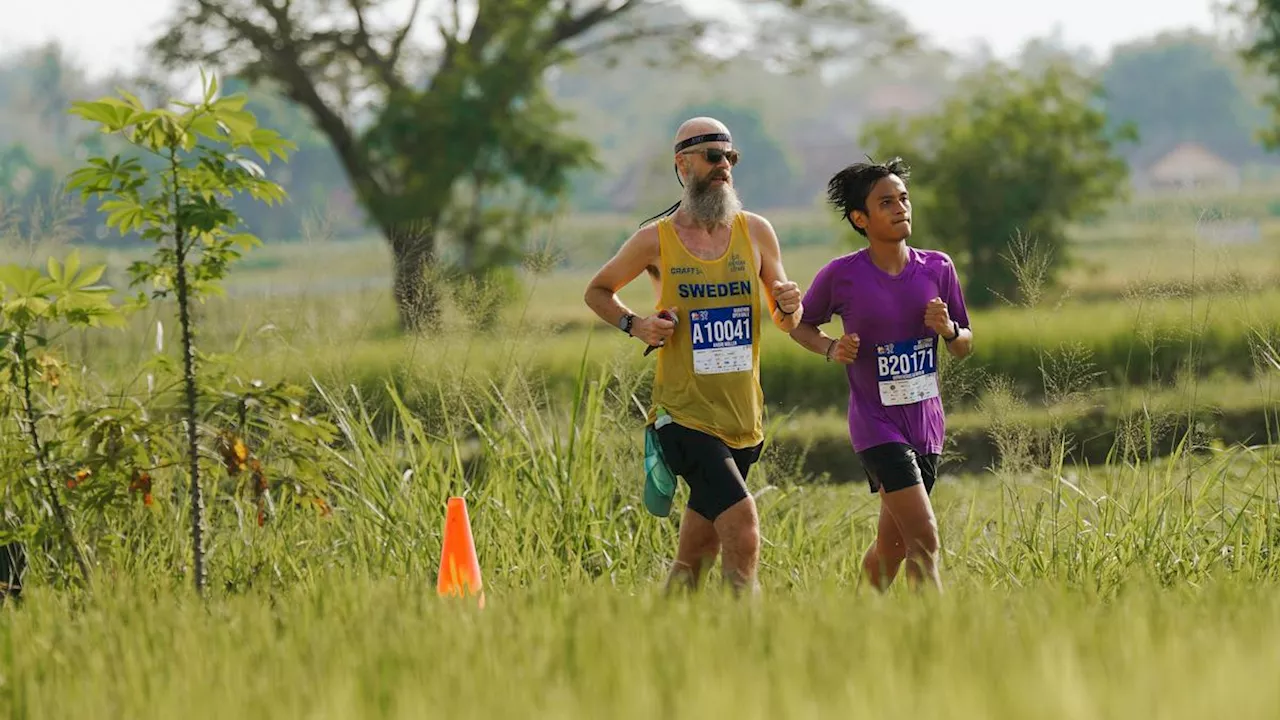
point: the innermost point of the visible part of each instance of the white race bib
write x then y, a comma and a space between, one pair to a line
721, 340
907, 371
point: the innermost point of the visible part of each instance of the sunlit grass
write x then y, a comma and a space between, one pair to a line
1129, 588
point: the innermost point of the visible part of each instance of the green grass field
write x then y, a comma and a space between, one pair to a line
1107, 593
1109, 510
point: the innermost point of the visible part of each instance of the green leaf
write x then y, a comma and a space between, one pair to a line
87, 278
231, 103
90, 180
268, 142
124, 214
205, 125
254, 169
246, 241
239, 123
211, 90
72, 266
131, 99
32, 306
95, 112
24, 281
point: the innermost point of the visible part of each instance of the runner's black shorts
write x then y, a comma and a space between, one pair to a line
897, 466
715, 473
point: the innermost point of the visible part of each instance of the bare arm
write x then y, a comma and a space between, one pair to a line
938, 319
843, 350
962, 345
638, 253
781, 294
812, 338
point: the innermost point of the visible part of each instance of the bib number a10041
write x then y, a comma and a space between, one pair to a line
721, 340
907, 371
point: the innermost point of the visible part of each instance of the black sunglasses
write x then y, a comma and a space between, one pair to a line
715, 155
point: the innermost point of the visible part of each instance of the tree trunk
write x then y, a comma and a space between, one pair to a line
415, 289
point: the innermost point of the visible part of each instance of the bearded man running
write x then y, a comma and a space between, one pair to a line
711, 264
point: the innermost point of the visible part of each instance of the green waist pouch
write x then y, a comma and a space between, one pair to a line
659, 481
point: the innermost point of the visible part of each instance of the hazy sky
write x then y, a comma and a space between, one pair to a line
102, 36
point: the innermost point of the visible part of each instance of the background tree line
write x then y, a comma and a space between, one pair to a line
531, 109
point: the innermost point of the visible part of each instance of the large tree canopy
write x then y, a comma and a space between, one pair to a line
457, 138
1263, 51
1010, 155
1176, 88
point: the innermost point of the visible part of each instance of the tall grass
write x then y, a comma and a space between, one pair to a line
1127, 587
555, 486
1094, 592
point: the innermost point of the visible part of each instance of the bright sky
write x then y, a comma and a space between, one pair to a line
101, 35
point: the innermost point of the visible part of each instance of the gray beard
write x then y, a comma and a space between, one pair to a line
711, 206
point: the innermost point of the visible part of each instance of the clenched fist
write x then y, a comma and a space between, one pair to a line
937, 319
845, 350
787, 296
655, 329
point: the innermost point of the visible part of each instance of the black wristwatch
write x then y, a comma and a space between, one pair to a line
626, 322
955, 329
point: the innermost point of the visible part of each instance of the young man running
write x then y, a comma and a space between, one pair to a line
711, 264
898, 304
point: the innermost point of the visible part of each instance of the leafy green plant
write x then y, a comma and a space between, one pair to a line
183, 206
31, 303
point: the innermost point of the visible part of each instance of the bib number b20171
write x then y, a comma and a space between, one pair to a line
721, 340
907, 371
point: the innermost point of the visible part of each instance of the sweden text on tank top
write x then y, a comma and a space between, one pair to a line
708, 374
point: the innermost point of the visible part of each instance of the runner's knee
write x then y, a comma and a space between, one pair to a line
922, 535
739, 528
891, 552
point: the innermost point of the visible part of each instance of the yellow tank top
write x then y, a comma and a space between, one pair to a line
708, 374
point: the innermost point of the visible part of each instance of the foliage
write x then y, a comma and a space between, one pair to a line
462, 144
1262, 51
1179, 88
32, 302
183, 209
1154, 561
1008, 153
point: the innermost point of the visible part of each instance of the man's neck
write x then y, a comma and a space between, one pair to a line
890, 256
686, 219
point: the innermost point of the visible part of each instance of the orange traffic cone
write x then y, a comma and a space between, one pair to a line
459, 566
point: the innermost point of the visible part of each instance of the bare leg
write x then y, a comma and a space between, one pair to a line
888, 550
739, 530
913, 514
699, 545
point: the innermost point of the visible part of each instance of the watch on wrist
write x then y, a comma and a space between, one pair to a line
955, 332
626, 322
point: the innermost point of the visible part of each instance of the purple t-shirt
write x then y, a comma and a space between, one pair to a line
897, 351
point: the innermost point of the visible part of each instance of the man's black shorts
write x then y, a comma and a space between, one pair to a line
715, 473
897, 466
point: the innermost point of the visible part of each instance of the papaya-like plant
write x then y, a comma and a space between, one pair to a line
33, 303
201, 152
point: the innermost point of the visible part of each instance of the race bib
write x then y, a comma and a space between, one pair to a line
907, 371
721, 340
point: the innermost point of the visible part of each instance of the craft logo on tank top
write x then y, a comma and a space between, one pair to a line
736, 263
